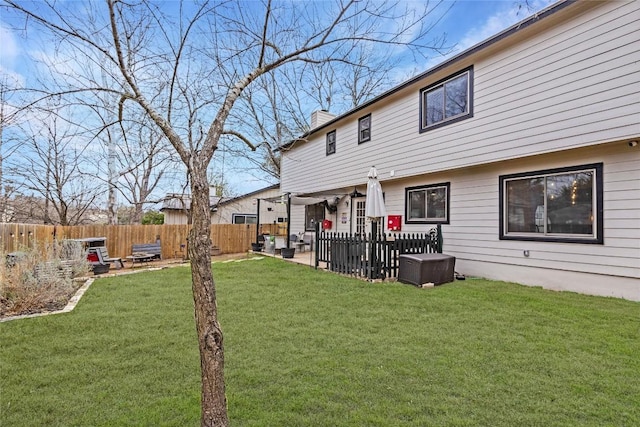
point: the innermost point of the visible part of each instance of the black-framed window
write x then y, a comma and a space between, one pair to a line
331, 142
563, 205
244, 218
428, 204
447, 101
364, 129
313, 214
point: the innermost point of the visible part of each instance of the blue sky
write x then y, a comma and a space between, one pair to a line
472, 21
467, 23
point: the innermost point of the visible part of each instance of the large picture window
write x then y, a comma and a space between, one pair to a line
313, 214
427, 204
558, 205
447, 101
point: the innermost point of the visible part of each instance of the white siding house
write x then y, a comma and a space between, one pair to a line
229, 210
244, 209
525, 147
176, 207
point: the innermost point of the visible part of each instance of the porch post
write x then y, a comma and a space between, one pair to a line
258, 222
288, 219
316, 242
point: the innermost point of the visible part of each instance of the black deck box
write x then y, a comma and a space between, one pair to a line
418, 269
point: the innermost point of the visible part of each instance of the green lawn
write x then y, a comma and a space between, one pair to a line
310, 348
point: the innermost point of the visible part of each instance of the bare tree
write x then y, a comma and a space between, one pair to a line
52, 168
137, 156
206, 55
9, 117
277, 106
143, 160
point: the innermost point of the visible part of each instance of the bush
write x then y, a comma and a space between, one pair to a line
40, 278
153, 217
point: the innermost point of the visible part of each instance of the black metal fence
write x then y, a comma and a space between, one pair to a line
375, 255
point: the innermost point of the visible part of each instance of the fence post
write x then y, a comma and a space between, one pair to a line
373, 262
316, 242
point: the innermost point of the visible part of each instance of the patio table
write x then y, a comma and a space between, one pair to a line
140, 258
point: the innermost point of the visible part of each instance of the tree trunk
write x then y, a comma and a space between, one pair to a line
214, 402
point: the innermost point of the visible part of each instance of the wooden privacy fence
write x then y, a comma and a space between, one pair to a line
229, 238
374, 256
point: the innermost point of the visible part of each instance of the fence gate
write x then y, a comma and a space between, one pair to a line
374, 255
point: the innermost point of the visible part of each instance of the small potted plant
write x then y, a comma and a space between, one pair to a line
288, 252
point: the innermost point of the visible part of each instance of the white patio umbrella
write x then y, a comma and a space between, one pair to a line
374, 204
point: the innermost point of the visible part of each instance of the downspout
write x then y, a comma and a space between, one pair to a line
288, 220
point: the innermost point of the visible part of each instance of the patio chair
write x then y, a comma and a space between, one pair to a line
299, 245
308, 241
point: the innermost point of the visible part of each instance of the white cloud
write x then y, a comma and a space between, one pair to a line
10, 50
509, 14
8, 54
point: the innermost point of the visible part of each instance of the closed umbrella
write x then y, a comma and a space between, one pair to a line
374, 209
374, 205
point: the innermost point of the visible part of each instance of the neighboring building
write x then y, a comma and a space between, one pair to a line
244, 209
236, 210
525, 147
176, 207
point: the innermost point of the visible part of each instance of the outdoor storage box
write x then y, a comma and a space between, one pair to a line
418, 269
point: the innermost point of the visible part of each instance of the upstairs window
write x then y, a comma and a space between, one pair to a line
364, 129
427, 204
331, 142
447, 101
562, 205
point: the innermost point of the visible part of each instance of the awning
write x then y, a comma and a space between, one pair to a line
307, 200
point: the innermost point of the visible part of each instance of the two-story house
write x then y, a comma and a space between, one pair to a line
525, 147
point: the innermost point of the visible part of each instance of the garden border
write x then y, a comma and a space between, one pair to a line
73, 301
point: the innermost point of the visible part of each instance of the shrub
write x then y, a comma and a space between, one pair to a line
40, 278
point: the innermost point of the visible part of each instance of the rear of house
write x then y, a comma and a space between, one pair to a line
526, 148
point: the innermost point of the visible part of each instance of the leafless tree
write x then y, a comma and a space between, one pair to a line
53, 168
277, 106
185, 66
9, 117
137, 156
143, 163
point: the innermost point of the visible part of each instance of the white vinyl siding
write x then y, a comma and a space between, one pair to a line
473, 232
547, 90
269, 212
561, 92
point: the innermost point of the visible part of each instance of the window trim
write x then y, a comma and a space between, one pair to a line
423, 127
598, 208
328, 137
360, 139
407, 190
306, 213
245, 215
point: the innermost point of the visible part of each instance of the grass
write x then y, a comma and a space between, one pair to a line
310, 348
